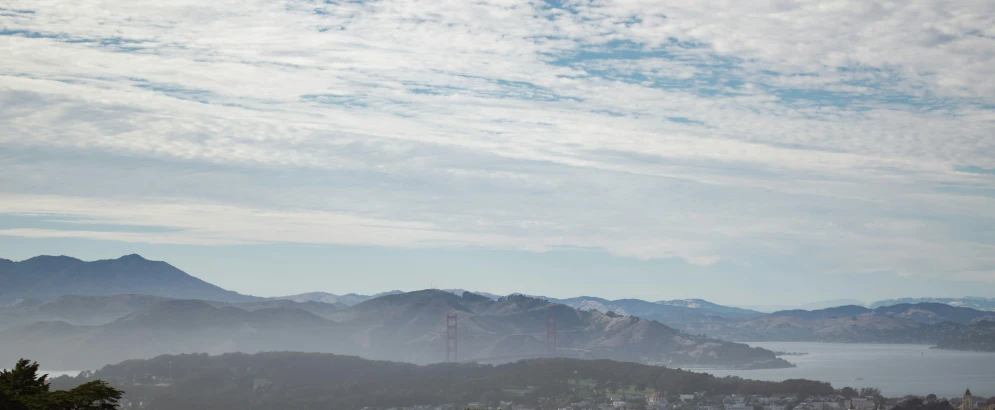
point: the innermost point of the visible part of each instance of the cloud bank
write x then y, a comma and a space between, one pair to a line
844, 136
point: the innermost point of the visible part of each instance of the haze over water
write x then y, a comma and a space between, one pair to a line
896, 369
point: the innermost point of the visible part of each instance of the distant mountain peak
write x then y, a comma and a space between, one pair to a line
973, 302
47, 258
48, 277
132, 257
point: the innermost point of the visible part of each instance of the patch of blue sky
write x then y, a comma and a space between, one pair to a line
714, 75
870, 88
967, 190
612, 50
718, 76
113, 43
712, 84
609, 113
434, 90
818, 97
14, 12
685, 120
73, 223
526, 90
26, 33
505, 89
564, 5
122, 44
974, 169
174, 91
334, 99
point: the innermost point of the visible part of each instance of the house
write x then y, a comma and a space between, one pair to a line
687, 397
860, 403
260, 383
825, 405
657, 402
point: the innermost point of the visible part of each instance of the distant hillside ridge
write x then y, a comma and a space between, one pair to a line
46, 278
922, 323
681, 314
348, 299
99, 310
409, 327
171, 326
918, 312
674, 313
979, 303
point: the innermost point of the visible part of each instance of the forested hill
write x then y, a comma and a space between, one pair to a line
977, 337
310, 380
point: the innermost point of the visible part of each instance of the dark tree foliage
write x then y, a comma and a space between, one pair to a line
279, 380
23, 389
849, 392
917, 403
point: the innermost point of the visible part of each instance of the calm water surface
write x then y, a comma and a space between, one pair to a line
895, 369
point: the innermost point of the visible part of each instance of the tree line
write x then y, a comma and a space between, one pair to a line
322, 381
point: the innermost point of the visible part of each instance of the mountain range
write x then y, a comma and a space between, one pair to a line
46, 278
924, 323
979, 303
342, 300
131, 307
821, 304
676, 313
406, 327
169, 326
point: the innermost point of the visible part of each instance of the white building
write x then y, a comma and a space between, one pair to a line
657, 402
860, 403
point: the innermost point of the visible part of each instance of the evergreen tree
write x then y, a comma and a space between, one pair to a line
21, 388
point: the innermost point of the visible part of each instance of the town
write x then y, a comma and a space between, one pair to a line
847, 399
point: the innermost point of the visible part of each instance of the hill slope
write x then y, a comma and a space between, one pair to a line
74, 309
289, 380
48, 277
407, 327
170, 326
679, 314
978, 303
411, 327
348, 299
926, 323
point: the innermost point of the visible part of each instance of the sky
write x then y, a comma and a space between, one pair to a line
747, 152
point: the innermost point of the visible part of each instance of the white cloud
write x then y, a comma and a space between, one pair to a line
823, 132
